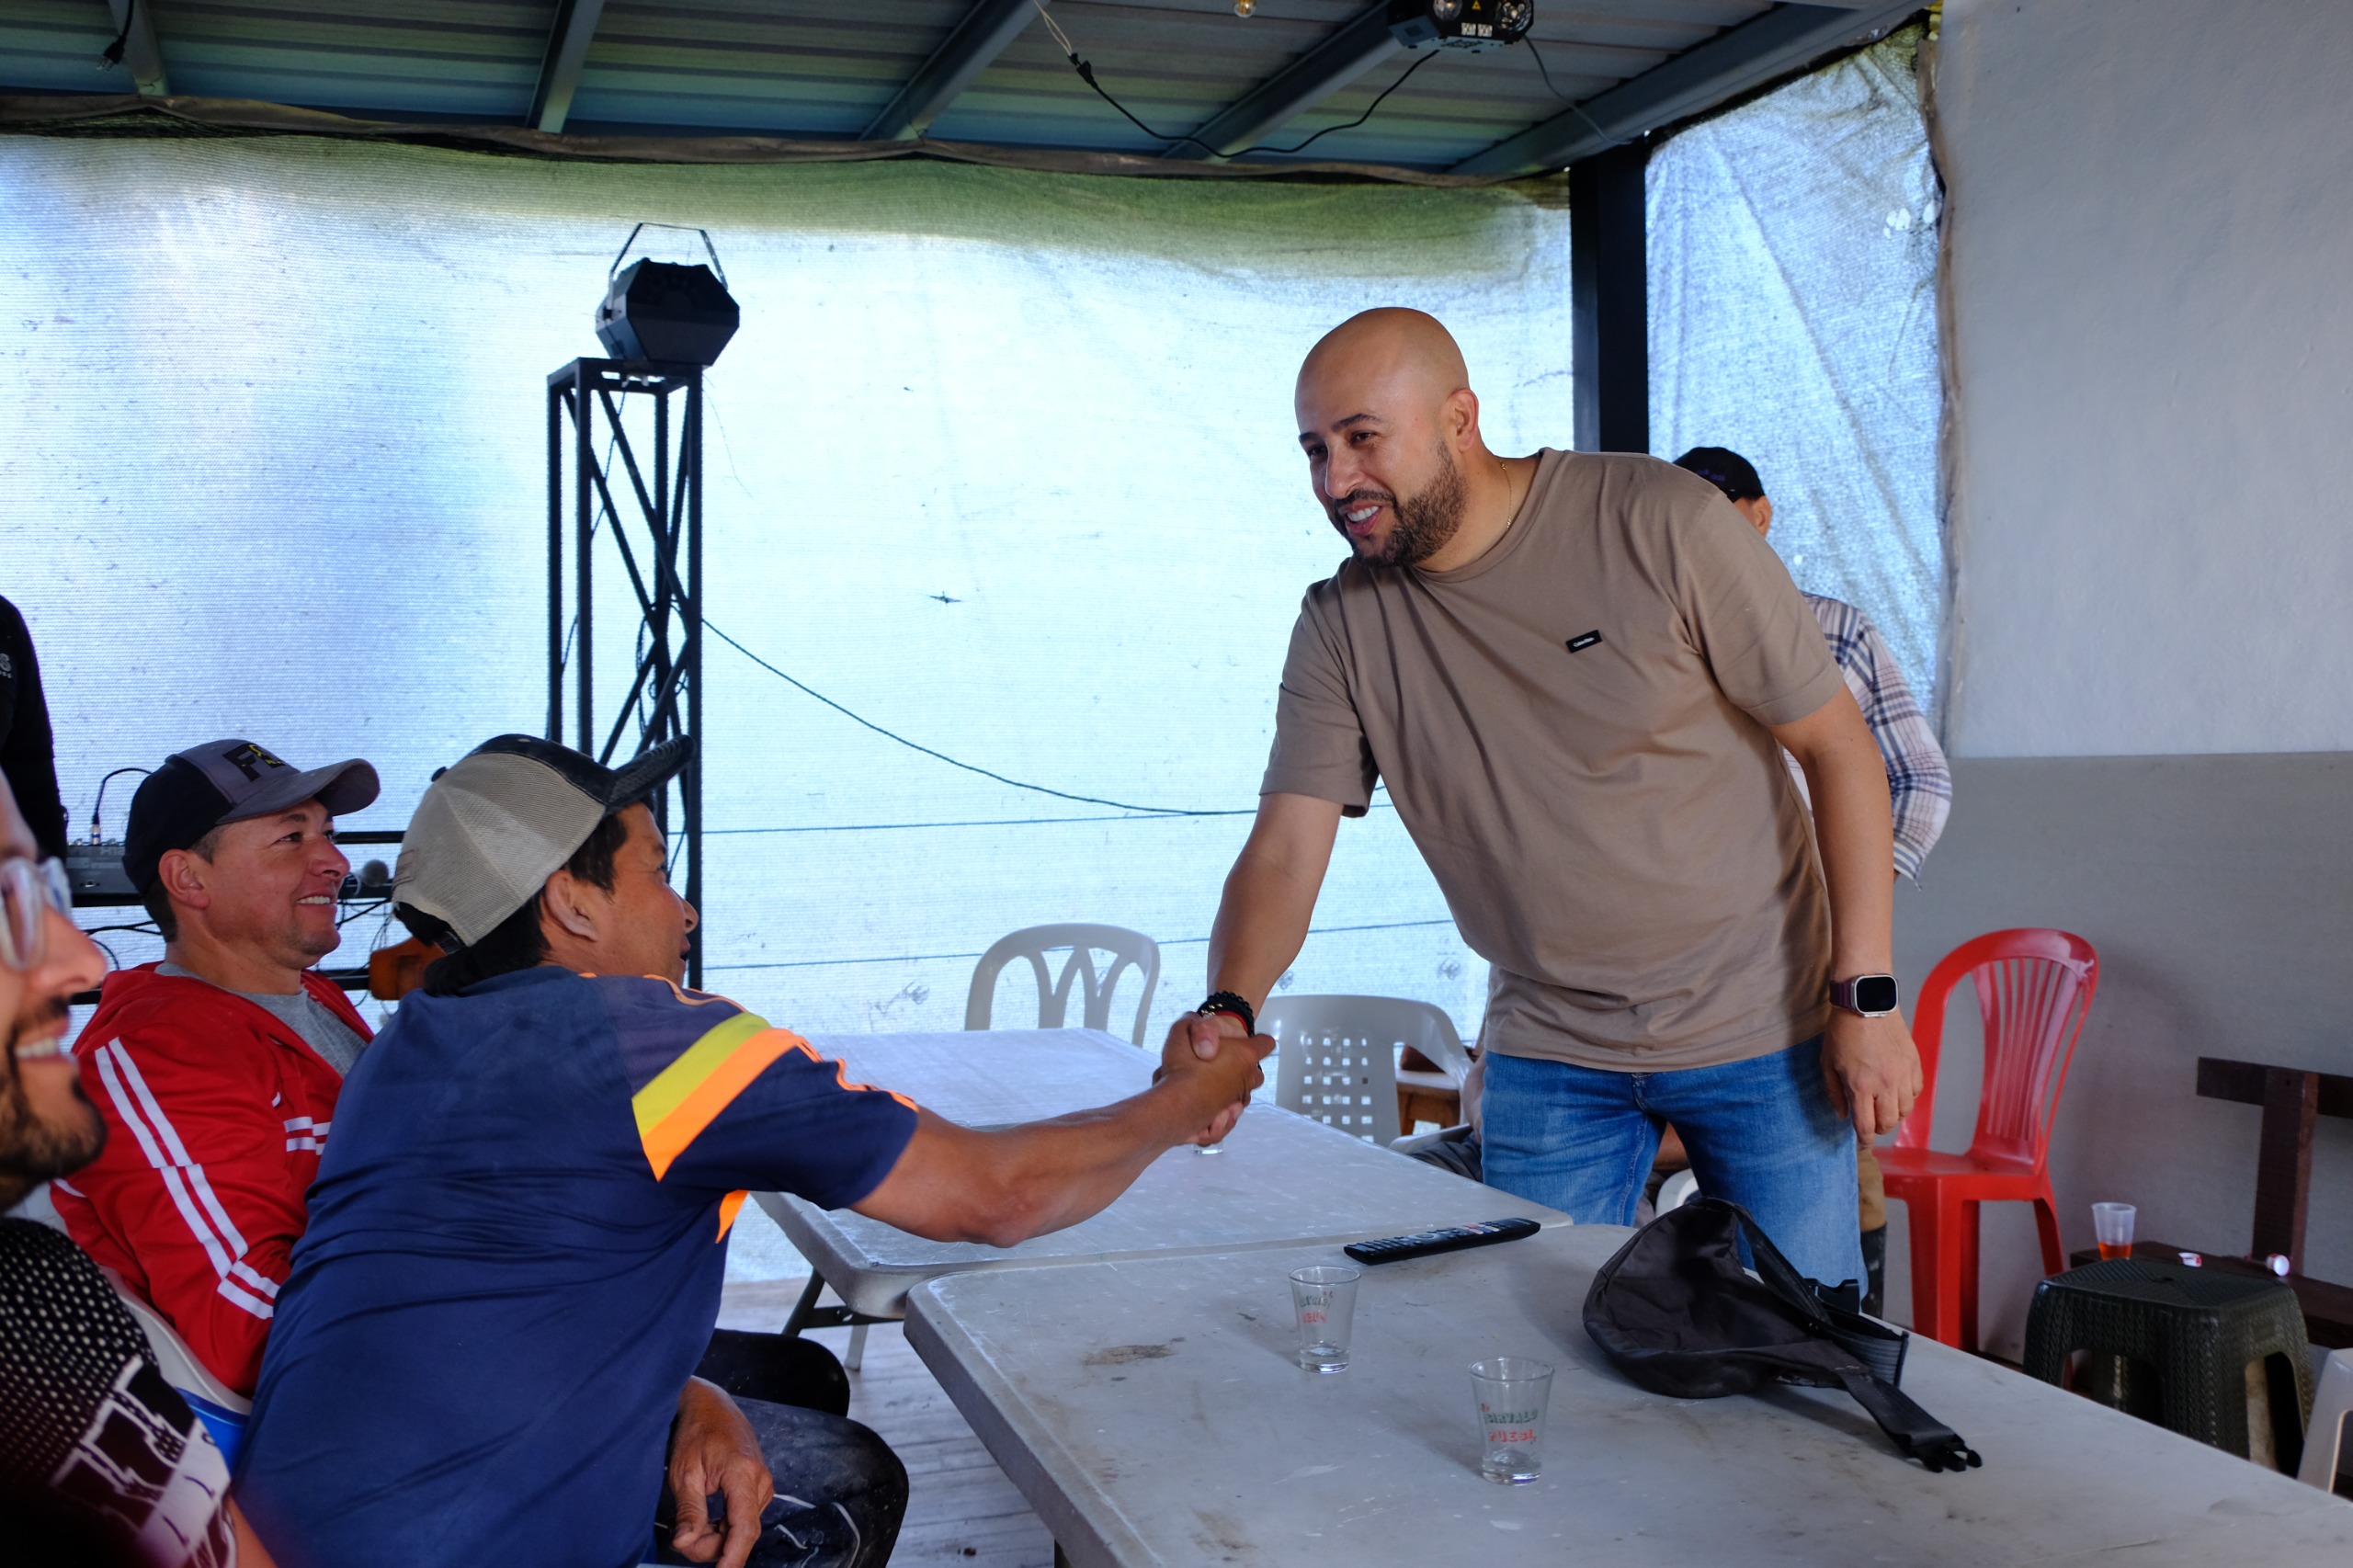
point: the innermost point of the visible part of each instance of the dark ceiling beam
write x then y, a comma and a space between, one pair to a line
1699, 78
978, 39
140, 56
1355, 49
576, 26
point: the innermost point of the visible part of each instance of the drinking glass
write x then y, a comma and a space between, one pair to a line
1325, 1300
1512, 1391
2113, 1224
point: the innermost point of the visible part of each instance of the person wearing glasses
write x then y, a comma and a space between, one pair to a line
217, 1069
101, 1461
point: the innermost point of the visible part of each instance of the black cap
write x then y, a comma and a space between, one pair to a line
206, 787
1726, 470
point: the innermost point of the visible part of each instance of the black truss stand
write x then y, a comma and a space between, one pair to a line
608, 421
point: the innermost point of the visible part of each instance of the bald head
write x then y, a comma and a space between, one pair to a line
1392, 355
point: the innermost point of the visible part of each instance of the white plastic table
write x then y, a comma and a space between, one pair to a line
1152, 1413
1278, 1180
991, 1077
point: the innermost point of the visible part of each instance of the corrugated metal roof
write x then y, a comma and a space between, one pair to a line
803, 69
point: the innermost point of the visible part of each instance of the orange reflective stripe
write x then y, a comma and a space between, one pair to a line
841, 1076
680, 1123
727, 1209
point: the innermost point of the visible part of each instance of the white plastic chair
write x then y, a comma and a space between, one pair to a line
1125, 948
1338, 1057
2325, 1439
175, 1360
1676, 1190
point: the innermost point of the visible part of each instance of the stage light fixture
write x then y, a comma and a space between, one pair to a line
665, 312
1461, 24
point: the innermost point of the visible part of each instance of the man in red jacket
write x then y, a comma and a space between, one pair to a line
217, 1069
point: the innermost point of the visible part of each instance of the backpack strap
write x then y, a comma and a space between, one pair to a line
1920, 1435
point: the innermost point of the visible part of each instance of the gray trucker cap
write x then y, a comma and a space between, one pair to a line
493, 828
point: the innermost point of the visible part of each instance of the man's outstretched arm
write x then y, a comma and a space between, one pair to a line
1872, 1067
959, 1184
1269, 899
1270, 894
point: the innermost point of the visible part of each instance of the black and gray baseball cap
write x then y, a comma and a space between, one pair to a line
220, 783
1726, 470
493, 828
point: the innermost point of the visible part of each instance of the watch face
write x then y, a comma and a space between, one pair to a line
1875, 994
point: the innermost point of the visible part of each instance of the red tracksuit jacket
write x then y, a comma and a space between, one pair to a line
215, 1115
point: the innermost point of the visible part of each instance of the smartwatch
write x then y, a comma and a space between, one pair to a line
1871, 995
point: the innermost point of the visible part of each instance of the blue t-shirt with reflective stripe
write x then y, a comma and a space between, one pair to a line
513, 1263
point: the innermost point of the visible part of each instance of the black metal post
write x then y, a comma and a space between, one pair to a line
690, 656
1610, 301
656, 534
556, 404
585, 470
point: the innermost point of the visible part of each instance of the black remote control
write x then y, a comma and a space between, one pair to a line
1397, 1249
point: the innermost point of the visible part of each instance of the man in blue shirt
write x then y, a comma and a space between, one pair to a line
512, 1264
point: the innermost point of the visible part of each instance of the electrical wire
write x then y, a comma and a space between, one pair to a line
1530, 41
113, 52
114, 960
1575, 108
983, 822
1086, 70
100, 803
1176, 942
808, 690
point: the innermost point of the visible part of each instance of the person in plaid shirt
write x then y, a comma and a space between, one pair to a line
1919, 782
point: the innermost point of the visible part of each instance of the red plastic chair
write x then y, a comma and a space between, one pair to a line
2034, 990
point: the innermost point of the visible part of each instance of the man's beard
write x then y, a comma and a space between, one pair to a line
1425, 520
32, 1150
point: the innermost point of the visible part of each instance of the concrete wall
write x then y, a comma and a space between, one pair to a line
2214, 889
2151, 334
2152, 328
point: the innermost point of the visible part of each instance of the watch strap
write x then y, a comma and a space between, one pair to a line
1227, 1002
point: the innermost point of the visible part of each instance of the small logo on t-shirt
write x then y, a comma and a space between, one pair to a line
1580, 643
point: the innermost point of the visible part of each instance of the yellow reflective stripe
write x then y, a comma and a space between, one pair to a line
668, 1138
671, 1086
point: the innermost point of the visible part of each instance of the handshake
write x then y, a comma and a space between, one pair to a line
1217, 1052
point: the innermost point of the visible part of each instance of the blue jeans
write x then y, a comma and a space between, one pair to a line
1760, 1132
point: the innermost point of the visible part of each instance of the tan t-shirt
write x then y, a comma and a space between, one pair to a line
1572, 728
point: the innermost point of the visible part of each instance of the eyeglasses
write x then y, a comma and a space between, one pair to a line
28, 891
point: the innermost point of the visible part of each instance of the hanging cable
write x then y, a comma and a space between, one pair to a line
112, 54
101, 804
1575, 108
808, 690
1086, 70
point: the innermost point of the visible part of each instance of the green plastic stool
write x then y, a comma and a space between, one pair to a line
2195, 1332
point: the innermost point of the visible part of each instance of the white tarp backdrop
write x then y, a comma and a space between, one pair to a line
1793, 319
1003, 461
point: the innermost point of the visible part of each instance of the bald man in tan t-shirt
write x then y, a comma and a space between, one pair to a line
1576, 675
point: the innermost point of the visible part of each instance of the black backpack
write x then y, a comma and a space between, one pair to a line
1677, 1313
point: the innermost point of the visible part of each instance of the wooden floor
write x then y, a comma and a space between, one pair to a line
960, 1508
